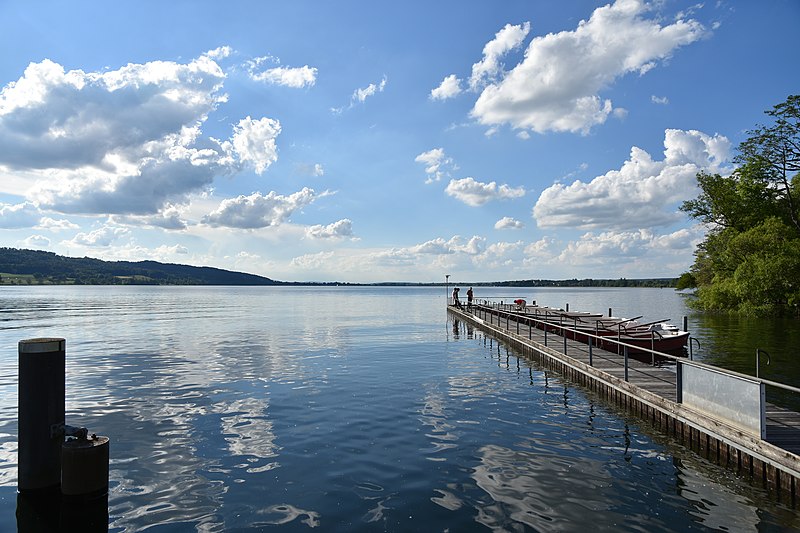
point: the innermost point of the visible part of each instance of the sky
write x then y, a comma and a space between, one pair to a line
362, 141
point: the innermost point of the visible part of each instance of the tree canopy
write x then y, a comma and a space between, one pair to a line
750, 259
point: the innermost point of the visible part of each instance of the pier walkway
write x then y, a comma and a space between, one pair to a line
659, 388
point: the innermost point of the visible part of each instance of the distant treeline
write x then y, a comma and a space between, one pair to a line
38, 267
622, 282
35, 267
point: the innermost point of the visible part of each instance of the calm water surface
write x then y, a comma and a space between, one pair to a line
361, 409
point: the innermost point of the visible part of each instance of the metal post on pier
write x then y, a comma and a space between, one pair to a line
590, 350
653, 347
626, 363
759, 351
691, 351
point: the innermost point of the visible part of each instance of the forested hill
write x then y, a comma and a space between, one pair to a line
33, 266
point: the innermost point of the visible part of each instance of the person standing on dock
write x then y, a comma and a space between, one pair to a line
456, 301
469, 298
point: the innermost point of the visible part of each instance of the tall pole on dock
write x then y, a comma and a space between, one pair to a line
447, 289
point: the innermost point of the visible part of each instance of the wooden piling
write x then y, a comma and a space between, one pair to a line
41, 413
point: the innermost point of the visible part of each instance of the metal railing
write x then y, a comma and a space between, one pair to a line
553, 322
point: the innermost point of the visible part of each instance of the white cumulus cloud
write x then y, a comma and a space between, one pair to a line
50, 118
541, 249
100, 237
127, 141
556, 86
36, 242
337, 230
475, 193
312, 261
489, 68
360, 95
508, 223
258, 210
437, 164
439, 246
644, 248
170, 218
255, 141
295, 77
642, 193
24, 215
449, 88
55, 225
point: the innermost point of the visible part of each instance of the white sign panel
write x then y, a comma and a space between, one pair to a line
736, 400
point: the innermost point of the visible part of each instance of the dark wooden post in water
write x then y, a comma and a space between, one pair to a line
41, 413
63, 486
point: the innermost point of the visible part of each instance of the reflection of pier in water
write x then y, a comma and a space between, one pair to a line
651, 389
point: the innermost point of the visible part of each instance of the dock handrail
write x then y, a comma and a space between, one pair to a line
691, 353
559, 326
759, 351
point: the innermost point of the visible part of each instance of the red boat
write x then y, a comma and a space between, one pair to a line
660, 336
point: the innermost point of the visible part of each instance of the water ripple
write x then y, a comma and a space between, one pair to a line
346, 409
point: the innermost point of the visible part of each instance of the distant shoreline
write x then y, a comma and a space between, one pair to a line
20, 280
35, 267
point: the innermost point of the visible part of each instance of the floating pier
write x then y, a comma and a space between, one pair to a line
720, 414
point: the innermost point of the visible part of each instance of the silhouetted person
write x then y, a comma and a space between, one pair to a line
456, 301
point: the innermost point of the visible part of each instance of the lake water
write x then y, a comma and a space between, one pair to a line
362, 409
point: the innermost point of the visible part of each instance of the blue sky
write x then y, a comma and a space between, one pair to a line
373, 141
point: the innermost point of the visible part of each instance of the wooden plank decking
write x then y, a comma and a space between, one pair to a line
782, 428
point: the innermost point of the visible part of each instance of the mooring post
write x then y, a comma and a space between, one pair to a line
41, 395
590, 350
84, 472
609, 312
685, 323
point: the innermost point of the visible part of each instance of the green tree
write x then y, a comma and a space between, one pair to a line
750, 259
775, 150
686, 281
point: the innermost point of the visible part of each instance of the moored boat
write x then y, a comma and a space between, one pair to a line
660, 335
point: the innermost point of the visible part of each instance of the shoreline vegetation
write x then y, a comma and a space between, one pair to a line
36, 267
749, 260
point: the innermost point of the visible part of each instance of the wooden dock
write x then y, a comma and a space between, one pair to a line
651, 392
